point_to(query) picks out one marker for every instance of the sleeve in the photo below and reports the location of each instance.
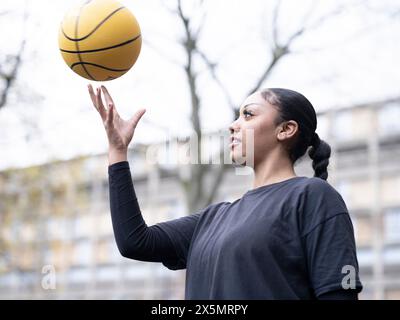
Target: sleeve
(179, 232)
(328, 240)
(339, 295)
(319, 202)
(331, 256)
(165, 242)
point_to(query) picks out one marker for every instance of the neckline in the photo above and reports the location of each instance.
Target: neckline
(271, 185)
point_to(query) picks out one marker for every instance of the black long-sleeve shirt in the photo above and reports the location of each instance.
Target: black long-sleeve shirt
(286, 240)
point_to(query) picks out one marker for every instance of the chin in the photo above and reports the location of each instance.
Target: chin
(238, 162)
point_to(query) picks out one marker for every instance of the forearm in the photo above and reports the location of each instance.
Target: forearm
(134, 238)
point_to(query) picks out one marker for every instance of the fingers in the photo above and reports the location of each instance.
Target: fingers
(99, 102)
(136, 117)
(107, 95)
(92, 96)
(109, 100)
(110, 116)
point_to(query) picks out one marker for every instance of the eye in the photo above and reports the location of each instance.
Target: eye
(247, 113)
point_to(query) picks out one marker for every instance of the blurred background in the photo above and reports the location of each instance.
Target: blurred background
(199, 61)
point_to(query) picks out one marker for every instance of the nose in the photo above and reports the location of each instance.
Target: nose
(234, 126)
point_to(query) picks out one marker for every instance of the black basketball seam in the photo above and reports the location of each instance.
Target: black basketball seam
(102, 49)
(97, 65)
(77, 44)
(94, 30)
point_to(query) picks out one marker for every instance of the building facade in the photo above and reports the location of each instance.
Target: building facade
(56, 239)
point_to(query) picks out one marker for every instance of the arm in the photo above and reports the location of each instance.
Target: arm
(166, 242)
(331, 252)
(328, 242)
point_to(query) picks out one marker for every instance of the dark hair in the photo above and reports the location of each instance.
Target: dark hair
(294, 106)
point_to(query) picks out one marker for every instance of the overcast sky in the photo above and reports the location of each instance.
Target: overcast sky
(351, 58)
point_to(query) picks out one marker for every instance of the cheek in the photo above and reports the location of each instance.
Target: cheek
(262, 135)
(256, 132)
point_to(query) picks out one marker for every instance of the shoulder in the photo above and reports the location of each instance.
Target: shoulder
(315, 188)
(210, 212)
(213, 208)
(318, 201)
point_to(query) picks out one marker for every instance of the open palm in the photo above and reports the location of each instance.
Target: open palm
(119, 131)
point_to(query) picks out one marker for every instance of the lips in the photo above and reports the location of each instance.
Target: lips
(234, 141)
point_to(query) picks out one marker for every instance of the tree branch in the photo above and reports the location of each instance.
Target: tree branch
(212, 69)
(9, 77)
(281, 50)
(163, 54)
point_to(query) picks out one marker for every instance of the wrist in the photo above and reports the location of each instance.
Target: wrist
(117, 155)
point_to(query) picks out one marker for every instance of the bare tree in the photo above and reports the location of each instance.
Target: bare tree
(10, 64)
(10, 81)
(198, 194)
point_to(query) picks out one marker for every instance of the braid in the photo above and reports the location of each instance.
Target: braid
(319, 152)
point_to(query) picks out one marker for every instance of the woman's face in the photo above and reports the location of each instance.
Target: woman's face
(254, 132)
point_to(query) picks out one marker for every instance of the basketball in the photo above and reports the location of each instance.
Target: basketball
(100, 40)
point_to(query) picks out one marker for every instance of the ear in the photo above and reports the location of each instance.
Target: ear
(287, 130)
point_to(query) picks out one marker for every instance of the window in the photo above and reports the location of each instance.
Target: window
(356, 193)
(58, 228)
(361, 126)
(27, 257)
(362, 193)
(27, 232)
(83, 226)
(365, 257)
(391, 256)
(344, 189)
(28, 279)
(103, 224)
(107, 251)
(78, 275)
(107, 273)
(82, 197)
(323, 126)
(138, 271)
(82, 252)
(389, 190)
(362, 230)
(173, 209)
(342, 125)
(9, 280)
(392, 225)
(47, 253)
(57, 199)
(388, 119)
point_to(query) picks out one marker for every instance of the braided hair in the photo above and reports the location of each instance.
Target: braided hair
(294, 106)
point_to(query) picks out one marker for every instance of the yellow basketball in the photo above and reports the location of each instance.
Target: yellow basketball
(100, 40)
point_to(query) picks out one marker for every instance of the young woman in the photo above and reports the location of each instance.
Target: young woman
(289, 237)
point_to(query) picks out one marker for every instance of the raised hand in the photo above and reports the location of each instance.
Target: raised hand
(119, 131)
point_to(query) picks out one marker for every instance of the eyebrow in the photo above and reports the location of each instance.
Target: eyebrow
(249, 104)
